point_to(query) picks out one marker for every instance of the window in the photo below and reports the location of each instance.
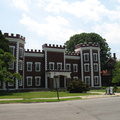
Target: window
(20, 82)
(11, 65)
(20, 65)
(95, 57)
(87, 80)
(96, 80)
(29, 66)
(75, 67)
(38, 81)
(12, 50)
(29, 81)
(95, 67)
(10, 84)
(21, 52)
(51, 65)
(68, 67)
(86, 67)
(86, 56)
(75, 78)
(59, 66)
(37, 66)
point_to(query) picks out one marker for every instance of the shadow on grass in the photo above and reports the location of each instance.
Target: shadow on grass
(5, 93)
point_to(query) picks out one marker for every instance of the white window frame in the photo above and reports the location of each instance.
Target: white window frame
(85, 67)
(95, 67)
(21, 82)
(86, 56)
(95, 56)
(13, 50)
(29, 78)
(20, 65)
(37, 78)
(39, 64)
(87, 78)
(68, 67)
(51, 63)
(11, 65)
(30, 66)
(75, 78)
(10, 84)
(75, 67)
(59, 66)
(96, 80)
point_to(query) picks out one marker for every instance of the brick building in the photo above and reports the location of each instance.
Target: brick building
(43, 69)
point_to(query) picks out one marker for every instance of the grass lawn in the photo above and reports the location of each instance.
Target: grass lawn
(46, 94)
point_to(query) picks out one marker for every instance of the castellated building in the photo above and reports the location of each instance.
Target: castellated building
(41, 70)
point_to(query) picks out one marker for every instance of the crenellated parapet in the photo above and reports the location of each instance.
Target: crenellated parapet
(53, 46)
(89, 44)
(72, 53)
(14, 36)
(33, 51)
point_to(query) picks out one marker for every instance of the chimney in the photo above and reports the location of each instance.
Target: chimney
(114, 56)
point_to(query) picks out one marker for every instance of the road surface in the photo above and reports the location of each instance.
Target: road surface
(91, 109)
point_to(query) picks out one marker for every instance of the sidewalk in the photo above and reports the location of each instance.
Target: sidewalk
(102, 95)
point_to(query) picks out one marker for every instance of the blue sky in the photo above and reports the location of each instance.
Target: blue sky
(55, 21)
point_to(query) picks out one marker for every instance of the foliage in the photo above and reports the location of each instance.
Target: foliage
(116, 73)
(4, 43)
(78, 86)
(115, 88)
(90, 37)
(5, 75)
(5, 59)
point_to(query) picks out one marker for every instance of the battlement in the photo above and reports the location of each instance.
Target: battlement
(53, 46)
(14, 36)
(71, 53)
(33, 51)
(89, 44)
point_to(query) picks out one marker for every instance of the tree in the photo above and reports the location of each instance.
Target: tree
(77, 86)
(90, 37)
(5, 60)
(4, 43)
(116, 73)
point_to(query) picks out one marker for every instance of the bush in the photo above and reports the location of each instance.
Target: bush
(78, 86)
(115, 88)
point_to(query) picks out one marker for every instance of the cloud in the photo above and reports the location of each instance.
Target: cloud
(87, 10)
(21, 4)
(110, 31)
(54, 28)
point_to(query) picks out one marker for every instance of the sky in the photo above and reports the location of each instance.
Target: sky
(55, 21)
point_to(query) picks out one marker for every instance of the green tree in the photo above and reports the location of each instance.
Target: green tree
(5, 60)
(116, 73)
(4, 43)
(90, 37)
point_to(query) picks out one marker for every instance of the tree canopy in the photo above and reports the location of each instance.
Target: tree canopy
(5, 59)
(90, 37)
(4, 43)
(116, 73)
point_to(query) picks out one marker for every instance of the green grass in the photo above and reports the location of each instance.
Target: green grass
(39, 100)
(30, 95)
(98, 90)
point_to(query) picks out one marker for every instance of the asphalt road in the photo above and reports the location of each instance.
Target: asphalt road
(91, 109)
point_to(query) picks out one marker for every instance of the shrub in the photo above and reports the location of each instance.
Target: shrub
(78, 86)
